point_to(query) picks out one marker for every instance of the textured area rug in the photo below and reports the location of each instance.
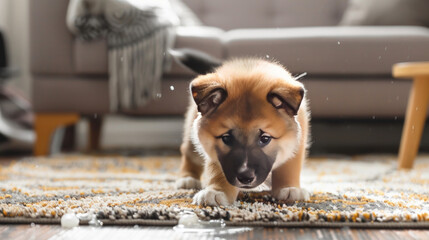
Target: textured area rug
(364, 191)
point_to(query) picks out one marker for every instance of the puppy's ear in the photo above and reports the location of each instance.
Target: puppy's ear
(197, 61)
(287, 97)
(207, 94)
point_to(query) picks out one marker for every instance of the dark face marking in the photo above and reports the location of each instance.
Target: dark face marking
(245, 165)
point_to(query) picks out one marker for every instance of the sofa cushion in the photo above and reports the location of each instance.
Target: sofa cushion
(333, 50)
(387, 12)
(50, 41)
(364, 97)
(89, 95)
(232, 14)
(206, 39)
(90, 57)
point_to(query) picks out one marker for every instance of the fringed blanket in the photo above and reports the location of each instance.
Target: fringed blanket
(139, 33)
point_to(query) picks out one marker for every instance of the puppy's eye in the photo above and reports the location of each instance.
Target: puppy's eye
(228, 139)
(264, 139)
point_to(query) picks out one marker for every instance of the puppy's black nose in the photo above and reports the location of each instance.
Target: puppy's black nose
(246, 177)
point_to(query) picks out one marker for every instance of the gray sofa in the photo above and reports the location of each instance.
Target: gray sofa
(348, 67)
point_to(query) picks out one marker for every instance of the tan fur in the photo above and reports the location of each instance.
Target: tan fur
(247, 83)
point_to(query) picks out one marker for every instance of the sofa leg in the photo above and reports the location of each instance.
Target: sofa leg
(45, 124)
(94, 137)
(69, 141)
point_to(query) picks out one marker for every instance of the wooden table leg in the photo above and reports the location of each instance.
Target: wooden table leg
(414, 122)
(45, 125)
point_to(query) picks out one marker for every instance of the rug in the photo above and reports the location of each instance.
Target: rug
(363, 191)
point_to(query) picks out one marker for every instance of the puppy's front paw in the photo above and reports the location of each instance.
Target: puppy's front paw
(210, 197)
(292, 194)
(188, 183)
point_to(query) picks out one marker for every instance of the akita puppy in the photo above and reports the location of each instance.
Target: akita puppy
(247, 123)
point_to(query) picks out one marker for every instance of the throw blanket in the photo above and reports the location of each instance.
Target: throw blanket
(139, 33)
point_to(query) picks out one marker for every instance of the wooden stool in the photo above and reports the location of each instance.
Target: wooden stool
(416, 109)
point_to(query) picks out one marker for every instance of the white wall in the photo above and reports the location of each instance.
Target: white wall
(4, 14)
(14, 17)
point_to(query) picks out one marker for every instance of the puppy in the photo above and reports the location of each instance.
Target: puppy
(248, 120)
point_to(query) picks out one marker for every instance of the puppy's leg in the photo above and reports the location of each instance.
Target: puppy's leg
(286, 180)
(218, 191)
(191, 168)
(192, 163)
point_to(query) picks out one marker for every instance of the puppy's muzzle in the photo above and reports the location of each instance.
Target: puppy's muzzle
(246, 176)
(245, 167)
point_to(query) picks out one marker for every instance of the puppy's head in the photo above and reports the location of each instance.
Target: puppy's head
(246, 121)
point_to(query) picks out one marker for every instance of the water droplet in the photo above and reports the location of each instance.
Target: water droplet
(391, 82)
(122, 59)
(373, 117)
(69, 220)
(95, 115)
(397, 98)
(267, 56)
(396, 118)
(189, 220)
(33, 225)
(172, 88)
(412, 127)
(379, 57)
(158, 95)
(339, 43)
(327, 98)
(385, 49)
(95, 222)
(417, 108)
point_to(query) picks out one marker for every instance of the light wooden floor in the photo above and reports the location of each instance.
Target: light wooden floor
(26, 232)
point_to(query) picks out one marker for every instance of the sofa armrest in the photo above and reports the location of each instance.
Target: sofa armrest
(51, 43)
(202, 38)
